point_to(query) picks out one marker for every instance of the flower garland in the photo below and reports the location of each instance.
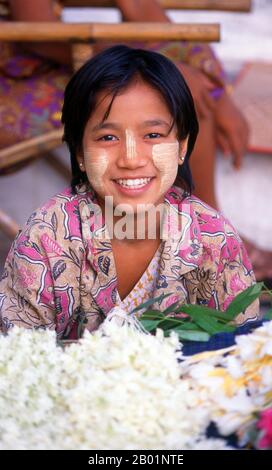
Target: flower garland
(120, 388)
(235, 384)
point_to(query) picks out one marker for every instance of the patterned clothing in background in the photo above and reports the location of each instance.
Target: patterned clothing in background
(60, 271)
(31, 87)
(200, 56)
(31, 91)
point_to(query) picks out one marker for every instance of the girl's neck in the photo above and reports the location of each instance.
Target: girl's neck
(137, 230)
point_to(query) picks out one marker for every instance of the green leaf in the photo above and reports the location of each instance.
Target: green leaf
(208, 323)
(244, 299)
(149, 325)
(226, 328)
(190, 326)
(150, 302)
(170, 322)
(189, 335)
(152, 314)
(268, 315)
(203, 310)
(171, 308)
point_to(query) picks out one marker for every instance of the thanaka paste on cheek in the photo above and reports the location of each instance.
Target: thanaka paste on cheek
(96, 164)
(130, 144)
(165, 158)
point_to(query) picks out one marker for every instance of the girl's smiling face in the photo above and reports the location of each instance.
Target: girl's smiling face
(133, 155)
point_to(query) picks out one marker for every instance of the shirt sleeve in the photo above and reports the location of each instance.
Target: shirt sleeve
(26, 287)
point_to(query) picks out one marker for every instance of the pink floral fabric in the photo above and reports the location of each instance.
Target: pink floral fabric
(60, 271)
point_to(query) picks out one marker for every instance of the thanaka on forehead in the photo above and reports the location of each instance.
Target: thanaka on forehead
(147, 123)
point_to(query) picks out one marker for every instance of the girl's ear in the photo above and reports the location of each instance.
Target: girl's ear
(183, 146)
(80, 161)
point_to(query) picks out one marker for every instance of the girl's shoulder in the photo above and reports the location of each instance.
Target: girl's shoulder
(219, 239)
(211, 220)
(66, 200)
(206, 227)
(212, 244)
(57, 222)
(206, 217)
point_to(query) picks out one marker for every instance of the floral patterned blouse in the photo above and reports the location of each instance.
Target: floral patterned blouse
(60, 272)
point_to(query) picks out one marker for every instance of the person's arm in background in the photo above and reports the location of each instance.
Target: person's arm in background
(142, 10)
(41, 10)
(200, 85)
(231, 128)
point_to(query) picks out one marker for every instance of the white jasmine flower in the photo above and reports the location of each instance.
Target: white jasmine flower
(121, 388)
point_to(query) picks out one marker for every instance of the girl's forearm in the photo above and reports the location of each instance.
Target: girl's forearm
(142, 10)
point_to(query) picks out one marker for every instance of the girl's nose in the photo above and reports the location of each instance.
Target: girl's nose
(132, 155)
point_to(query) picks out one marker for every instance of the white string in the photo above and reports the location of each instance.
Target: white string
(120, 317)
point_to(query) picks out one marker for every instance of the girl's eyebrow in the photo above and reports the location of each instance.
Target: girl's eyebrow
(105, 125)
(113, 125)
(155, 122)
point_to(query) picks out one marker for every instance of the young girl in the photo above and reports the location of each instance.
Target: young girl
(130, 126)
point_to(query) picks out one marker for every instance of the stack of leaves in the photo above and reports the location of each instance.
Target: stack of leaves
(197, 322)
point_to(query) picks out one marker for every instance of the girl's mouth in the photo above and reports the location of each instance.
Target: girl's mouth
(133, 186)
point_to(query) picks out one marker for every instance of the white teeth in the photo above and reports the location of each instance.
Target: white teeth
(136, 183)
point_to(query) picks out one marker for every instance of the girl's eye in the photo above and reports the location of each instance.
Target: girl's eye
(108, 138)
(153, 135)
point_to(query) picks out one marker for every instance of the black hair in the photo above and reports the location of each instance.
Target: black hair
(113, 70)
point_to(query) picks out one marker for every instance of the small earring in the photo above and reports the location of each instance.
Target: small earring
(181, 159)
(81, 164)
